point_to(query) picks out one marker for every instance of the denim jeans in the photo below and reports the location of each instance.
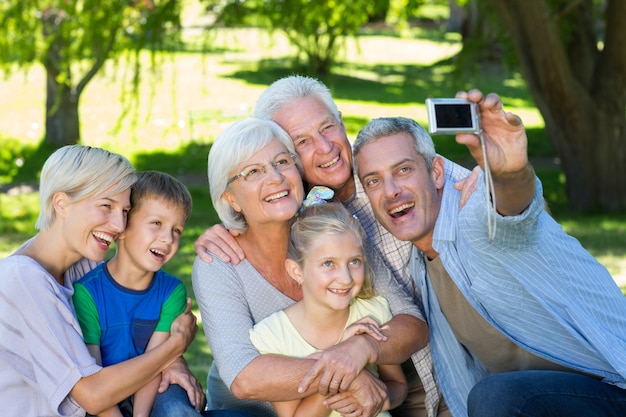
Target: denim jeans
(545, 393)
(175, 403)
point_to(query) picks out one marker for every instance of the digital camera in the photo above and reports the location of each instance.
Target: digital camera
(449, 116)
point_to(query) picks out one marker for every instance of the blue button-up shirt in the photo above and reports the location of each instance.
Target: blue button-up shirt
(532, 282)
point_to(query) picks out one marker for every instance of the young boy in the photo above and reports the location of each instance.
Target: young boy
(125, 306)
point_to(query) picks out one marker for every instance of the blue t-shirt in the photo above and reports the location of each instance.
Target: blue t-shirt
(121, 320)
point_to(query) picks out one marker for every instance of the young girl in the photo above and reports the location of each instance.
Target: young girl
(327, 258)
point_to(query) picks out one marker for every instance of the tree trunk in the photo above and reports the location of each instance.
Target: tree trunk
(592, 153)
(62, 123)
(457, 17)
(580, 92)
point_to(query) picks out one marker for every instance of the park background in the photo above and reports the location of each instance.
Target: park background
(199, 89)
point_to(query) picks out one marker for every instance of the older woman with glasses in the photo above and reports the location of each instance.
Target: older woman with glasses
(256, 189)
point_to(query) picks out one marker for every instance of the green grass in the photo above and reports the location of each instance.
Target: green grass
(382, 76)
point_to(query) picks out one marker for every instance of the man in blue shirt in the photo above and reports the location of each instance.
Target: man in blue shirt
(523, 319)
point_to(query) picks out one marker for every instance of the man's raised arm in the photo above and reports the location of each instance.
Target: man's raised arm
(507, 153)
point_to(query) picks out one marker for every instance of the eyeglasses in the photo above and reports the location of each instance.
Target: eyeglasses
(255, 172)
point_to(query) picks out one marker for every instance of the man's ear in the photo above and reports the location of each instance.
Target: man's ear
(437, 172)
(294, 271)
(60, 201)
(230, 199)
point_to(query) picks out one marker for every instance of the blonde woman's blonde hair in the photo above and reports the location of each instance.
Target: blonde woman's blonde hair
(319, 221)
(81, 172)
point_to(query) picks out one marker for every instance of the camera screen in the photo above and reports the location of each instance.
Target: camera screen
(453, 116)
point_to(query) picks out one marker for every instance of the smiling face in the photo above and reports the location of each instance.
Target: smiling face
(275, 197)
(92, 224)
(404, 195)
(332, 272)
(152, 235)
(321, 142)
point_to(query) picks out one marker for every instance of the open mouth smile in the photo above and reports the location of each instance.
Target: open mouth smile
(330, 163)
(103, 238)
(157, 253)
(339, 292)
(276, 196)
(400, 210)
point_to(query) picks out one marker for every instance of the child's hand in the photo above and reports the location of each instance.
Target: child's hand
(345, 404)
(366, 325)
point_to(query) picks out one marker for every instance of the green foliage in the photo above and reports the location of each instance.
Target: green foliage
(73, 40)
(87, 31)
(21, 163)
(401, 11)
(316, 28)
(188, 159)
(11, 159)
(18, 213)
(486, 42)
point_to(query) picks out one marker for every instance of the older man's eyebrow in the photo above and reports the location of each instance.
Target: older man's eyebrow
(326, 120)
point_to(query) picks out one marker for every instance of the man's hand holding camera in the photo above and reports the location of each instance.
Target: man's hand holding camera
(506, 147)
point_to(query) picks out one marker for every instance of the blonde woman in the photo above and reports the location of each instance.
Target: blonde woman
(45, 367)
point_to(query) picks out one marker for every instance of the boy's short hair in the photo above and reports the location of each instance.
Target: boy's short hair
(155, 184)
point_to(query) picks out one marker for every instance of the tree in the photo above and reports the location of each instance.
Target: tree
(573, 57)
(73, 39)
(315, 28)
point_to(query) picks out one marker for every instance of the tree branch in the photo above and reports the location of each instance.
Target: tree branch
(565, 10)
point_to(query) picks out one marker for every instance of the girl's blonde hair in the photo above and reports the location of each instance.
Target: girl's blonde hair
(319, 221)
